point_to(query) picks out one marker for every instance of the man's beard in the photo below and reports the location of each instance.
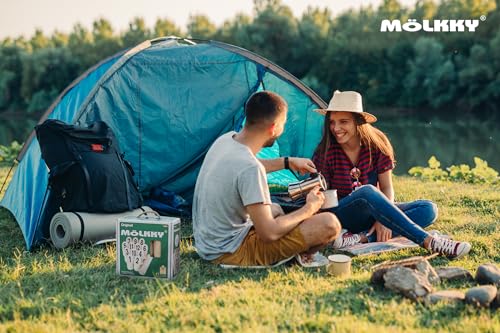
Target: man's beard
(270, 142)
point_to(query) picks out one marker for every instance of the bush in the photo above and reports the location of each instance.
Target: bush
(480, 174)
(9, 153)
(433, 172)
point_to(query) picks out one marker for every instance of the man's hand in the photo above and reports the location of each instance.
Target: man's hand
(315, 199)
(302, 165)
(383, 233)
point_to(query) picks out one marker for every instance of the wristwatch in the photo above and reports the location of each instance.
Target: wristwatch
(287, 164)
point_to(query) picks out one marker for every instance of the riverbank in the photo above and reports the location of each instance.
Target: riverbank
(77, 290)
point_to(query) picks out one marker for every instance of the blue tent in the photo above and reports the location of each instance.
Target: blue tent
(167, 100)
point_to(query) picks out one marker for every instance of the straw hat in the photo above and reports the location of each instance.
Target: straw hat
(347, 101)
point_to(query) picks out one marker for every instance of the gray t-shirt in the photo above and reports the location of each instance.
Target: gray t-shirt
(231, 177)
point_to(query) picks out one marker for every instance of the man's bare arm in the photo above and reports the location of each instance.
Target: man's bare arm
(299, 164)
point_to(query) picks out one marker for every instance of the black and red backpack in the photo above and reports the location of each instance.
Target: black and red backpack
(87, 170)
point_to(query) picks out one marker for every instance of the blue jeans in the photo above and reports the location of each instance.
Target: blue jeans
(359, 210)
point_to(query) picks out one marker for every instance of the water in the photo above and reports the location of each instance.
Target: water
(453, 140)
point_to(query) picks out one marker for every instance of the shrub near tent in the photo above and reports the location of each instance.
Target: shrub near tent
(166, 100)
(8, 153)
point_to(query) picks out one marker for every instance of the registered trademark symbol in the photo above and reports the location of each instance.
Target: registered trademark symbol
(483, 18)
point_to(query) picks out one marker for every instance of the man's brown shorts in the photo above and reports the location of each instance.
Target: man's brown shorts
(254, 252)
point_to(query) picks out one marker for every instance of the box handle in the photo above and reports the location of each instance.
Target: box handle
(150, 211)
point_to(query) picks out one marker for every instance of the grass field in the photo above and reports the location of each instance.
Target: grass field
(76, 289)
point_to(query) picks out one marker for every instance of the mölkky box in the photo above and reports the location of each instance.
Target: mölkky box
(148, 246)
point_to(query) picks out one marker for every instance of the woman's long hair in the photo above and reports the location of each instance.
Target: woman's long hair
(370, 136)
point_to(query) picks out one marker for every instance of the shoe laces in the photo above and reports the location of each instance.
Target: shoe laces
(443, 245)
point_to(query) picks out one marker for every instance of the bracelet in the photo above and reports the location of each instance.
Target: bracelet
(287, 164)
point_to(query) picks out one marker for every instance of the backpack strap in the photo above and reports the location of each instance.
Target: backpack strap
(127, 187)
(87, 182)
(83, 167)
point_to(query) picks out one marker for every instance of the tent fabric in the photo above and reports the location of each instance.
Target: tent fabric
(26, 192)
(167, 101)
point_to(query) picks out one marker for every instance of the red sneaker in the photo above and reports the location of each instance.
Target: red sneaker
(346, 239)
(448, 247)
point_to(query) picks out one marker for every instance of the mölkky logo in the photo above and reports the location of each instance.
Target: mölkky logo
(430, 25)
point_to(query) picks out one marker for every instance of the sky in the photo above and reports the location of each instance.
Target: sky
(22, 17)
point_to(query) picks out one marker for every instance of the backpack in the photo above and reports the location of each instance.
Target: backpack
(87, 170)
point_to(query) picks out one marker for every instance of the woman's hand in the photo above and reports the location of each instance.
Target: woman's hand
(383, 233)
(302, 165)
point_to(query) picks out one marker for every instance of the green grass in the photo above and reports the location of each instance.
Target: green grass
(76, 289)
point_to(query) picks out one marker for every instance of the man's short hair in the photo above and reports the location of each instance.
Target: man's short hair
(263, 108)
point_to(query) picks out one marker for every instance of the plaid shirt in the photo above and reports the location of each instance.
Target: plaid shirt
(337, 167)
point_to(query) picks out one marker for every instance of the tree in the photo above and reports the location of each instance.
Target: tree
(396, 67)
(105, 42)
(354, 58)
(493, 86)
(346, 52)
(312, 37)
(390, 10)
(11, 68)
(235, 31)
(39, 40)
(465, 9)
(80, 46)
(59, 39)
(274, 33)
(442, 88)
(165, 27)
(45, 73)
(430, 72)
(475, 76)
(487, 29)
(7, 42)
(335, 70)
(102, 30)
(137, 33)
(424, 10)
(200, 26)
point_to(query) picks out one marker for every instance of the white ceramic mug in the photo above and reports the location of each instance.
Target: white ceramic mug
(340, 265)
(331, 199)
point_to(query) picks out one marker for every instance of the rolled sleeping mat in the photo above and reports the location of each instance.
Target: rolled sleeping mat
(67, 228)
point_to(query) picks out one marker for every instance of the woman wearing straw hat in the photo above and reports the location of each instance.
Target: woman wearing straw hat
(357, 159)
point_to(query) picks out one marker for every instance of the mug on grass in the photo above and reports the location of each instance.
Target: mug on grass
(339, 266)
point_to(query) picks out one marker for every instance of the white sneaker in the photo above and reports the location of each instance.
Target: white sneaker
(346, 239)
(311, 260)
(448, 247)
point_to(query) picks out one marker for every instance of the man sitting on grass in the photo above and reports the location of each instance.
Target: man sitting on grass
(234, 221)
